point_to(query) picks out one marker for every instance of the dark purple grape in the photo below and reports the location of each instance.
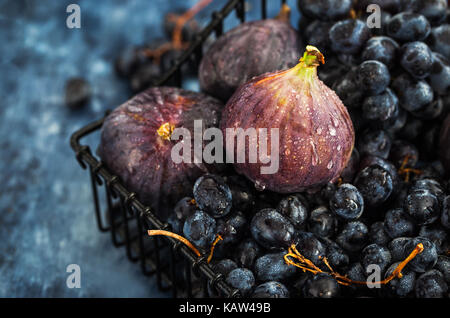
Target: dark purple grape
(373, 77)
(292, 208)
(322, 222)
(400, 287)
(272, 267)
(310, 246)
(400, 150)
(434, 10)
(443, 265)
(375, 143)
(347, 202)
(224, 266)
(325, 9)
(336, 256)
(183, 209)
(445, 217)
(423, 261)
(398, 223)
(321, 286)
(348, 36)
(353, 236)
(316, 33)
(408, 27)
(271, 229)
(381, 48)
(381, 107)
(413, 95)
(439, 78)
(417, 59)
(351, 169)
(270, 289)
(375, 184)
(397, 248)
(423, 206)
(242, 279)
(200, 229)
(431, 285)
(378, 235)
(212, 195)
(233, 228)
(247, 252)
(77, 92)
(348, 90)
(439, 40)
(145, 76)
(437, 234)
(375, 254)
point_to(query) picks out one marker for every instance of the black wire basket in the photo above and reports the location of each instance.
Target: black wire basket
(119, 212)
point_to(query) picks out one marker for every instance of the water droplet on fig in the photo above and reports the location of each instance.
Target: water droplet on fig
(319, 130)
(332, 130)
(335, 121)
(315, 155)
(330, 165)
(339, 147)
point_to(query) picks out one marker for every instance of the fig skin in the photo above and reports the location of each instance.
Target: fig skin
(444, 144)
(134, 151)
(316, 135)
(249, 50)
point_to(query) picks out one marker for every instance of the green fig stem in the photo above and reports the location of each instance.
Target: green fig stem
(309, 62)
(312, 57)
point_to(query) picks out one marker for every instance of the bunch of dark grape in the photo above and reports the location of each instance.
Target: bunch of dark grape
(142, 66)
(392, 197)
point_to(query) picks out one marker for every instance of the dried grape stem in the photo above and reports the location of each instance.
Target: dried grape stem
(306, 265)
(218, 238)
(186, 242)
(184, 18)
(177, 41)
(406, 171)
(175, 236)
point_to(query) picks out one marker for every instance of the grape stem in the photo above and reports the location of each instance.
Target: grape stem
(177, 40)
(306, 265)
(406, 171)
(186, 241)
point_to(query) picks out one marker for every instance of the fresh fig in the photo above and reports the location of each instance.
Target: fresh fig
(316, 135)
(136, 145)
(249, 50)
(444, 144)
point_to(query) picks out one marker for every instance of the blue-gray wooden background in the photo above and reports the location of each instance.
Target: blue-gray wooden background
(46, 209)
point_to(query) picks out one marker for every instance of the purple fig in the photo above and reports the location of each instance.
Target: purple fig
(136, 145)
(316, 135)
(250, 49)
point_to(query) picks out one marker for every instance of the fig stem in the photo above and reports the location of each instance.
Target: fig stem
(306, 265)
(312, 57)
(284, 14)
(165, 130)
